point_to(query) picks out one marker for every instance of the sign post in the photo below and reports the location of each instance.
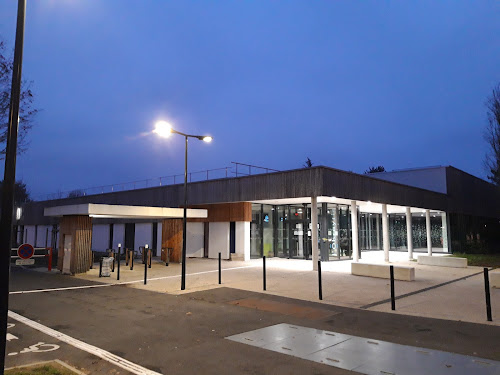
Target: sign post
(25, 252)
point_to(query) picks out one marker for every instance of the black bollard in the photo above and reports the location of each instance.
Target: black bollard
(119, 259)
(487, 294)
(100, 268)
(220, 270)
(145, 272)
(320, 285)
(264, 272)
(393, 300)
(131, 256)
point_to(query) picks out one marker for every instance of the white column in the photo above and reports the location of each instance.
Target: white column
(314, 232)
(428, 227)
(354, 225)
(444, 232)
(385, 232)
(242, 229)
(409, 233)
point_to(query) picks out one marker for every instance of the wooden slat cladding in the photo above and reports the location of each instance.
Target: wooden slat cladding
(171, 236)
(80, 230)
(226, 212)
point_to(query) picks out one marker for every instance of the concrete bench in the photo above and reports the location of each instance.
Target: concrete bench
(382, 271)
(494, 278)
(429, 260)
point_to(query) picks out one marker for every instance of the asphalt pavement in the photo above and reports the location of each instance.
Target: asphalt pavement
(184, 334)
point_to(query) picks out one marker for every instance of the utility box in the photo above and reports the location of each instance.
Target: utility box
(107, 263)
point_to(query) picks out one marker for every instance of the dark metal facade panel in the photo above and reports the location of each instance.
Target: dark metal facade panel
(316, 181)
(470, 195)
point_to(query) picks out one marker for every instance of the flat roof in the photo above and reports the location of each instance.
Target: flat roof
(125, 212)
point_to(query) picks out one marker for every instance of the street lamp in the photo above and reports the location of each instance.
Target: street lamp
(164, 129)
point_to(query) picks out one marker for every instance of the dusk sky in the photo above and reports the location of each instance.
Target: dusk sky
(349, 84)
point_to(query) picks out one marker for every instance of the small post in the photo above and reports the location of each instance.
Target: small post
(119, 261)
(220, 270)
(320, 285)
(393, 300)
(487, 294)
(100, 268)
(145, 264)
(50, 259)
(131, 256)
(264, 272)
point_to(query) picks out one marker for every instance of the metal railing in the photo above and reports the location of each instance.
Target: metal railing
(235, 170)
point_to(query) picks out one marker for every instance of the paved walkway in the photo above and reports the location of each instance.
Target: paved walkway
(461, 298)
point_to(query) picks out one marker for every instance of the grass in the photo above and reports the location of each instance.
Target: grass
(481, 260)
(40, 370)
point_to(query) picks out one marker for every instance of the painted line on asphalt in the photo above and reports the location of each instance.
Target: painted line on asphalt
(123, 282)
(94, 350)
(419, 291)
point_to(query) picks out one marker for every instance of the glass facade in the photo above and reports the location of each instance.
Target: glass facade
(285, 231)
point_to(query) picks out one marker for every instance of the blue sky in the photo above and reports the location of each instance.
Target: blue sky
(349, 84)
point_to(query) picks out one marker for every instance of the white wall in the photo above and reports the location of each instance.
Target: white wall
(42, 235)
(119, 236)
(100, 237)
(218, 240)
(143, 235)
(195, 236)
(29, 237)
(242, 239)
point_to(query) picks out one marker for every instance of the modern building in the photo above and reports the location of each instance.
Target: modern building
(311, 213)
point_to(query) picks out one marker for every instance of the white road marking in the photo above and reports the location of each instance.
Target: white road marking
(11, 337)
(94, 350)
(123, 282)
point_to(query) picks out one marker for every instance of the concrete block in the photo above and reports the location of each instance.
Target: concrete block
(382, 271)
(430, 260)
(494, 278)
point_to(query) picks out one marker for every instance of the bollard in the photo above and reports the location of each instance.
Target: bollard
(487, 294)
(393, 301)
(220, 270)
(264, 272)
(131, 256)
(145, 272)
(100, 268)
(119, 259)
(320, 285)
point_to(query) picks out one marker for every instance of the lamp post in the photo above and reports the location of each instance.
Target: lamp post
(9, 179)
(164, 129)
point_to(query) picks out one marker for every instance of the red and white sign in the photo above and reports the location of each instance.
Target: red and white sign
(25, 251)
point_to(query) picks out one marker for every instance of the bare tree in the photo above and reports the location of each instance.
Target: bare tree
(492, 136)
(380, 168)
(308, 163)
(26, 109)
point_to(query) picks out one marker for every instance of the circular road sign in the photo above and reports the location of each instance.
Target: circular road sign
(25, 251)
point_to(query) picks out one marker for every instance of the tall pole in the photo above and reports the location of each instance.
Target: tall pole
(183, 276)
(9, 180)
